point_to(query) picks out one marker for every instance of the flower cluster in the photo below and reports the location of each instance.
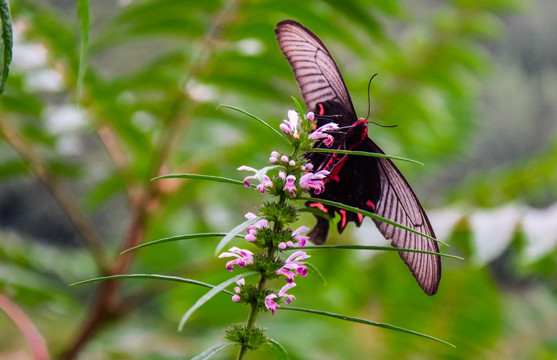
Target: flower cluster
(293, 176)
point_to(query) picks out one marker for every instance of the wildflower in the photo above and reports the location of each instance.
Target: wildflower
(301, 240)
(270, 303)
(252, 229)
(290, 186)
(284, 158)
(322, 133)
(282, 293)
(314, 181)
(310, 116)
(290, 126)
(274, 157)
(243, 257)
(238, 290)
(307, 167)
(259, 175)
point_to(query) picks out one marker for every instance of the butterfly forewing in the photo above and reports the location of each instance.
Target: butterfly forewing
(372, 184)
(314, 68)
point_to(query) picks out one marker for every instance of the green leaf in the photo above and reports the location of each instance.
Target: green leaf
(176, 238)
(6, 39)
(298, 106)
(364, 153)
(220, 287)
(207, 354)
(366, 322)
(369, 214)
(234, 232)
(372, 247)
(200, 177)
(278, 349)
(312, 269)
(150, 276)
(84, 21)
(256, 118)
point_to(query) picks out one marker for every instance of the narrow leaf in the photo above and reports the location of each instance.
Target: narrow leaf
(150, 276)
(200, 177)
(207, 354)
(234, 233)
(177, 238)
(312, 269)
(369, 214)
(215, 290)
(278, 349)
(372, 247)
(256, 118)
(84, 21)
(317, 212)
(364, 153)
(298, 106)
(366, 322)
(6, 43)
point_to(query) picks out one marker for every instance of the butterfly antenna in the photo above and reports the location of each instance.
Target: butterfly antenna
(369, 96)
(369, 105)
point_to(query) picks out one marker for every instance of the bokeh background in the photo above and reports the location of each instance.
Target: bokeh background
(471, 86)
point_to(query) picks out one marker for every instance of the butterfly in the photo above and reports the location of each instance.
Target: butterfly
(369, 183)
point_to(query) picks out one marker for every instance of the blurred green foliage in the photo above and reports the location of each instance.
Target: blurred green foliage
(156, 71)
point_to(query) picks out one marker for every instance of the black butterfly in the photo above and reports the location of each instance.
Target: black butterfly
(369, 183)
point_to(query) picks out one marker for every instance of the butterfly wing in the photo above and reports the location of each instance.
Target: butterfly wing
(315, 70)
(398, 202)
(372, 184)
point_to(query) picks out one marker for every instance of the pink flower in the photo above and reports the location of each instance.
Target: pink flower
(238, 290)
(259, 175)
(290, 186)
(301, 240)
(290, 126)
(270, 303)
(274, 157)
(243, 257)
(252, 229)
(310, 116)
(295, 264)
(322, 133)
(314, 181)
(285, 288)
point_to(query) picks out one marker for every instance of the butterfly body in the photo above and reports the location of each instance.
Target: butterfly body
(369, 183)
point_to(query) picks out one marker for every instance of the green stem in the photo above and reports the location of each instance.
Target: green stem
(250, 323)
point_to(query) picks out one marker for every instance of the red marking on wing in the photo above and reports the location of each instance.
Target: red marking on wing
(319, 206)
(321, 109)
(360, 217)
(370, 204)
(343, 220)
